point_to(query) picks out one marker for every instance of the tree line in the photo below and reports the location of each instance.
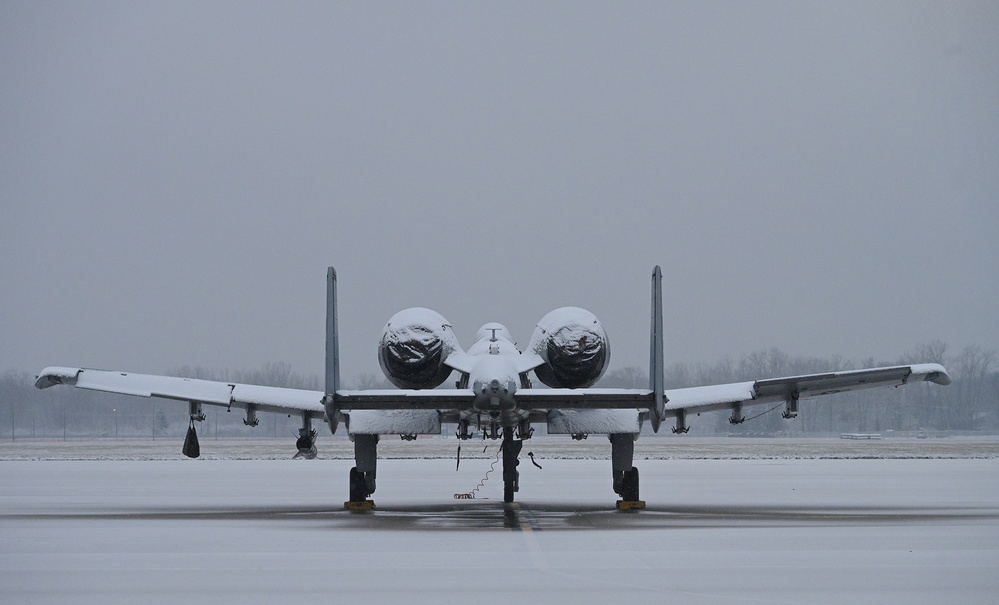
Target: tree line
(971, 403)
(60, 412)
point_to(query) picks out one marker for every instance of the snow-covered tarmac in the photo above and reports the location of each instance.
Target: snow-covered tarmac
(775, 530)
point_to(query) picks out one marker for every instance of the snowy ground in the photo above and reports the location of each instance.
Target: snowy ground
(596, 447)
(768, 530)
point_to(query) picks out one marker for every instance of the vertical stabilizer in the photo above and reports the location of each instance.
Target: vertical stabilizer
(657, 407)
(332, 352)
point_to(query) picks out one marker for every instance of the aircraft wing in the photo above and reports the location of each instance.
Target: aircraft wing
(224, 394)
(772, 390)
(271, 399)
(373, 410)
(728, 396)
(387, 411)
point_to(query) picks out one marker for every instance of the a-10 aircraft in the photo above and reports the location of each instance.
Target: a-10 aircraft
(418, 351)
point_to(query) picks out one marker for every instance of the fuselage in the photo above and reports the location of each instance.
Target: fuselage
(494, 377)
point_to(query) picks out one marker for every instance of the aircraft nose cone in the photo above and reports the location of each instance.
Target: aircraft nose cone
(494, 385)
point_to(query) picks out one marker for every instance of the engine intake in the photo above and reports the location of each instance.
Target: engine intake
(413, 347)
(574, 346)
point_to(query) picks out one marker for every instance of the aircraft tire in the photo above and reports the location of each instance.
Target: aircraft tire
(629, 485)
(358, 488)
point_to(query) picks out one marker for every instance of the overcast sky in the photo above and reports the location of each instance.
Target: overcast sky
(175, 177)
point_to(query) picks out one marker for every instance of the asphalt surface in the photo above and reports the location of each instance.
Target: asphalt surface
(715, 531)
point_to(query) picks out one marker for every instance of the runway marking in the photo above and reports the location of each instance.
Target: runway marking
(513, 520)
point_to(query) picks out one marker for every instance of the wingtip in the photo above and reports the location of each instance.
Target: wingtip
(933, 372)
(941, 378)
(51, 376)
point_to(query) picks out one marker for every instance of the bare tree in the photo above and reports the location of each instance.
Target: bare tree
(630, 377)
(367, 380)
(973, 368)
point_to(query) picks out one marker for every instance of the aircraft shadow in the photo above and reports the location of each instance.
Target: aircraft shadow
(546, 516)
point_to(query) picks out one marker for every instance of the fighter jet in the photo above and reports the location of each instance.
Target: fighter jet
(494, 394)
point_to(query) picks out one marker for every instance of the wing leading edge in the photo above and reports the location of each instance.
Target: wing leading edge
(731, 396)
(224, 394)
(771, 390)
(728, 396)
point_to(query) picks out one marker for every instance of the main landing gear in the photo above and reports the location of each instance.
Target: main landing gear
(362, 476)
(625, 474)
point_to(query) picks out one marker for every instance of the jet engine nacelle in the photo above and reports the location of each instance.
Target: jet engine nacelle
(574, 346)
(413, 347)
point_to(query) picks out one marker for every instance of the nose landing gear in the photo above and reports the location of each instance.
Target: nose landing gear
(511, 453)
(513, 443)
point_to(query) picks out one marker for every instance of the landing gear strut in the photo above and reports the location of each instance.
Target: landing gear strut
(511, 451)
(362, 476)
(625, 475)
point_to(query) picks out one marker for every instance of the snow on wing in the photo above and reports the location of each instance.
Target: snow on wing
(184, 389)
(693, 399)
(724, 396)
